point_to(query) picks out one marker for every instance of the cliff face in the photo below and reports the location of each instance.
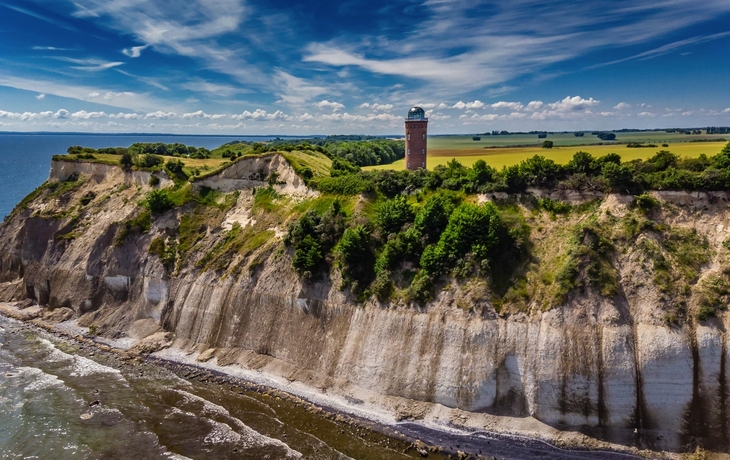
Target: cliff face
(605, 363)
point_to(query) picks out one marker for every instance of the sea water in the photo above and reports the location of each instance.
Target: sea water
(60, 401)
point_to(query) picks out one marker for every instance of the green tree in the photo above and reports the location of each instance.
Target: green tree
(547, 144)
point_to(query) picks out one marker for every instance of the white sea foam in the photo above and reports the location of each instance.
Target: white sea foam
(222, 432)
(84, 367)
(81, 366)
(38, 380)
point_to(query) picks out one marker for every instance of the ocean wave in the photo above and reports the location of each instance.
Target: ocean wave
(224, 433)
(80, 366)
(33, 379)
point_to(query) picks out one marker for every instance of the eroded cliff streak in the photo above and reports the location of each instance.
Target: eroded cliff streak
(637, 358)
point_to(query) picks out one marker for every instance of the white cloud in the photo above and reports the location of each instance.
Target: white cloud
(477, 104)
(127, 116)
(380, 107)
(61, 113)
(261, 115)
(437, 116)
(726, 110)
(135, 51)
(507, 105)
(477, 117)
(83, 114)
(646, 114)
(325, 104)
(622, 106)
(202, 115)
(160, 115)
(40, 97)
(571, 104)
(26, 116)
(607, 114)
(534, 105)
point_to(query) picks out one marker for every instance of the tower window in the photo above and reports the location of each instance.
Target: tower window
(409, 136)
(424, 137)
(423, 151)
(409, 151)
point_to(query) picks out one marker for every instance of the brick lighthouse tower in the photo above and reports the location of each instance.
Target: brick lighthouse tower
(416, 133)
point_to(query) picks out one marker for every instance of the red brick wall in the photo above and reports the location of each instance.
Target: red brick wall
(416, 138)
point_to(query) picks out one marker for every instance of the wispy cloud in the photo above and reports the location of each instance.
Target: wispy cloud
(121, 99)
(665, 49)
(456, 48)
(90, 64)
(42, 17)
(41, 96)
(135, 51)
(53, 48)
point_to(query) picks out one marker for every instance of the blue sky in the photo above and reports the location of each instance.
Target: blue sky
(352, 66)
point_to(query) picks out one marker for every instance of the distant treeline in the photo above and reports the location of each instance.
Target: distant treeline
(141, 148)
(372, 151)
(663, 171)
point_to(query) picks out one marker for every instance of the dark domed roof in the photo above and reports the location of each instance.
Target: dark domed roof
(417, 113)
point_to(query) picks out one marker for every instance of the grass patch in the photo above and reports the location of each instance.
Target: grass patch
(236, 242)
(316, 162)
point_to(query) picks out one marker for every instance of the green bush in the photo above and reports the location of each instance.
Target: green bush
(153, 181)
(158, 201)
(149, 161)
(471, 229)
(353, 184)
(394, 214)
(313, 237)
(646, 202)
(307, 255)
(356, 258)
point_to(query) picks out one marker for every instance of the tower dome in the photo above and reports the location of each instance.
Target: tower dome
(416, 113)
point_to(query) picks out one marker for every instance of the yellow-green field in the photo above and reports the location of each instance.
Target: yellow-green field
(508, 156)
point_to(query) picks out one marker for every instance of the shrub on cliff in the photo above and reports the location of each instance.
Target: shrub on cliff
(158, 201)
(472, 229)
(393, 215)
(149, 161)
(314, 236)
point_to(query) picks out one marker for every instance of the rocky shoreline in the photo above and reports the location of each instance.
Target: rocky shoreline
(446, 441)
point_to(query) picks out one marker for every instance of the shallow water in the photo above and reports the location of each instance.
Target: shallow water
(59, 401)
